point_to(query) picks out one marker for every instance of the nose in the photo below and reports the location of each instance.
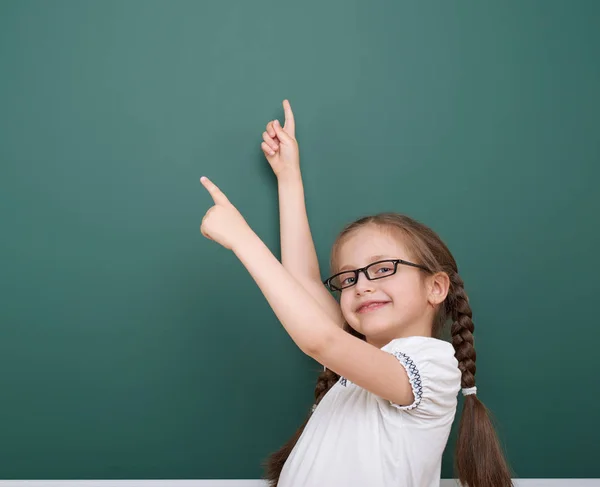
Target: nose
(363, 285)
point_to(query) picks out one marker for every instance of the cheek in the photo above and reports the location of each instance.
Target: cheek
(346, 305)
(408, 291)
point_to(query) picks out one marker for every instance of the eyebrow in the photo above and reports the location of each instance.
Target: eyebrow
(373, 258)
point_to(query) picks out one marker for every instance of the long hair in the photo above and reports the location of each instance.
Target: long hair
(479, 460)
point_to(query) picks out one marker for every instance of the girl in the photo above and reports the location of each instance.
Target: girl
(387, 398)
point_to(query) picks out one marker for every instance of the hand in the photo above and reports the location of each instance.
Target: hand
(279, 144)
(223, 223)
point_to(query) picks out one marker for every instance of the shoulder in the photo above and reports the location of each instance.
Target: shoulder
(431, 366)
(423, 349)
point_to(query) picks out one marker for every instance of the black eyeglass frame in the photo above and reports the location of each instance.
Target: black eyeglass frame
(356, 272)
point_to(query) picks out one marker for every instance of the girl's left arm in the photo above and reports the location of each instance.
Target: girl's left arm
(315, 333)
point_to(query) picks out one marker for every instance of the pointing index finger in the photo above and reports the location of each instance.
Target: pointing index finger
(217, 195)
(290, 124)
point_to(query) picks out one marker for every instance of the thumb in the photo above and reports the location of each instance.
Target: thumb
(282, 135)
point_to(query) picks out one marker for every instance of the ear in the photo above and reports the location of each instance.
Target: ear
(438, 287)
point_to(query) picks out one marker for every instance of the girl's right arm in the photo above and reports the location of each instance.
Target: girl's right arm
(298, 254)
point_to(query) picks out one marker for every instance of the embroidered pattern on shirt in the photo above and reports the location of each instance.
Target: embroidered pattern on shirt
(414, 378)
(343, 381)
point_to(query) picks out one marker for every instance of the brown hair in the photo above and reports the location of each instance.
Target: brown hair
(479, 460)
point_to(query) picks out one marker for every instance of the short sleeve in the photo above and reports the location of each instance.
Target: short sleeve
(432, 371)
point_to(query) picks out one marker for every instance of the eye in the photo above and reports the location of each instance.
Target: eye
(348, 280)
(381, 269)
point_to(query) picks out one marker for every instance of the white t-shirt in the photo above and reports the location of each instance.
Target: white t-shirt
(357, 439)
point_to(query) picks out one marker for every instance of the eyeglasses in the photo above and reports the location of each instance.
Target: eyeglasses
(374, 271)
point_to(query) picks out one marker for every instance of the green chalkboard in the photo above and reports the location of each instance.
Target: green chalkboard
(132, 347)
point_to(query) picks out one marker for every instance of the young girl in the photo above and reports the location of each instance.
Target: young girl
(387, 398)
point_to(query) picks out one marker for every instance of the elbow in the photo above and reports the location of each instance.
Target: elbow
(316, 346)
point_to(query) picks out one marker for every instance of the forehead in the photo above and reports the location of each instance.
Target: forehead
(368, 244)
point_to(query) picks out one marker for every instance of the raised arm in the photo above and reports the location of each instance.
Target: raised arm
(298, 254)
(303, 318)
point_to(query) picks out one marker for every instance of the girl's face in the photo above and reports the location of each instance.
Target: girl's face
(387, 308)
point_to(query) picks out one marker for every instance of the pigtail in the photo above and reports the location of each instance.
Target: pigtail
(326, 380)
(479, 459)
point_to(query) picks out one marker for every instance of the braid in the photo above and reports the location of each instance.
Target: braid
(462, 331)
(325, 381)
(479, 459)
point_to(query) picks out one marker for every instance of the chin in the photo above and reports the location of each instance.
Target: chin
(375, 329)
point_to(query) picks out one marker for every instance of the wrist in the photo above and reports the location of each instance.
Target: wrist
(246, 240)
(289, 176)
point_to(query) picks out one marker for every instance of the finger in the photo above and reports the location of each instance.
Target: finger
(202, 231)
(267, 150)
(217, 195)
(204, 234)
(290, 123)
(281, 134)
(270, 129)
(270, 142)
